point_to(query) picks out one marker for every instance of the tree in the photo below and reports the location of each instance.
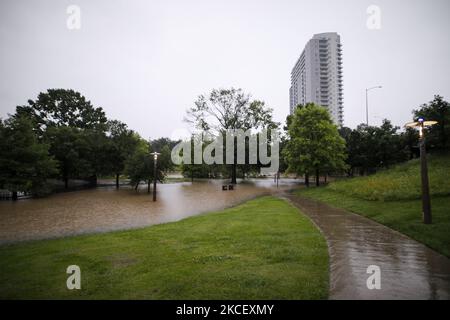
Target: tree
(68, 146)
(229, 109)
(61, 107)
(74, 129)
(371, 147)
(314, 143)
(140, 166)
(122, 144)
(438, 136)
(201, 170)
(410, 141)
(25, 163)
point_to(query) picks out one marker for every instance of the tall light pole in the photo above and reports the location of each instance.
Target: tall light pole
(426, 203)
(155, 160)
(367, 102)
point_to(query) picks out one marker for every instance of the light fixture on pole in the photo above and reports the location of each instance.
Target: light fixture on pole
(155, 160)
(426, 203)
(367, 102)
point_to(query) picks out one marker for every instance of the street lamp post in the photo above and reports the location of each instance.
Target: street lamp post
(426, 203)
(155, 160)
(367, 102)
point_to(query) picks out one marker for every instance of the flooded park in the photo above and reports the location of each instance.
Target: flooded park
(107, 209)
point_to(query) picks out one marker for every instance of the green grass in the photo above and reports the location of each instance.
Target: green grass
(262, 249)
(404, 216)
(401, 182)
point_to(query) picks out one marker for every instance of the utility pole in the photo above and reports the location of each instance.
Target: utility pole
(367, 102)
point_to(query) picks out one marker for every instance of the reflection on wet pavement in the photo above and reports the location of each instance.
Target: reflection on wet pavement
(106, 209)
(409, 270)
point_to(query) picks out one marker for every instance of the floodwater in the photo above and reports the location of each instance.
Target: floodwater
(408, 269)
(106, 209)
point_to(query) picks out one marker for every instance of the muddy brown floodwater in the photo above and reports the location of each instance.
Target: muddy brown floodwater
(107, 209)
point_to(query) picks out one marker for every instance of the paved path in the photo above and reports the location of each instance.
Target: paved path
(409, 270)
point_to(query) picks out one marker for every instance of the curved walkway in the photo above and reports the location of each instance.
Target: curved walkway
(408, 269)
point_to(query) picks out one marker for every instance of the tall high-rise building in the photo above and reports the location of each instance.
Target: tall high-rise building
(317, 76)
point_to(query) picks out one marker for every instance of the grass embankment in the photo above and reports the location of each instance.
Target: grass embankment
(262, 249)
(392, 198)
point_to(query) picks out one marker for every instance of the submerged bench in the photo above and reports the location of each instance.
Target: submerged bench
(227, 187)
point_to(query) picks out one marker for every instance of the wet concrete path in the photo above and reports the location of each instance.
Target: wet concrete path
(409, 270)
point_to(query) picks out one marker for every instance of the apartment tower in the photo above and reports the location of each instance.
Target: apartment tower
(317, 76)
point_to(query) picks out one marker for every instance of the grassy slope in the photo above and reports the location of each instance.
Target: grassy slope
(397, 201)
(401, 182)
(263, 249)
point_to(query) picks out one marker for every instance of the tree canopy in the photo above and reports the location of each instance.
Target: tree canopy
(25, 164)
(438, 136)
(229, 109)
(314, 143)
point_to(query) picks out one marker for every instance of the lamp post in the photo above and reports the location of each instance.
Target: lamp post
(155, 160)
(367, 102)
(426, 203)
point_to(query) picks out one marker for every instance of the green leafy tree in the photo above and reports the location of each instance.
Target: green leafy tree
(69, 147)
(410, 141)
(201, 170)
(229, 109)
(62, 107)
(372, 147)
(314, 144)
(74, 129)
(438, 136)
(25, 163)
(140, 166)
(122, 144)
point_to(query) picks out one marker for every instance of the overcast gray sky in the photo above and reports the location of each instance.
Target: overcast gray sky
(145, 62)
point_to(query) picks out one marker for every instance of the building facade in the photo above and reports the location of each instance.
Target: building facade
(317, 76)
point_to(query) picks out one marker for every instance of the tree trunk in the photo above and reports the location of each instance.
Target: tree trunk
(307, 180)
(14, 196)
(148, 185)
(117, 181)
(326, 177)
(317, 178)
(94, 180)
(136, 187)
(233, 173)
(66, 183)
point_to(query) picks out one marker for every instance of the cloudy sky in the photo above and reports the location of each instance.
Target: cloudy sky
(145, 62)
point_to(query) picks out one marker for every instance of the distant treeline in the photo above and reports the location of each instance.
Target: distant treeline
(314, 146)
(61, 135)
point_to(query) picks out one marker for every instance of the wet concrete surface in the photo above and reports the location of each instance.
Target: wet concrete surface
(408, 269)
(107, 209)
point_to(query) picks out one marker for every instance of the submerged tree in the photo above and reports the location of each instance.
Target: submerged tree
(74, 129)
(25, 163)
(229, 109)
(121, 145)
(140, 165)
